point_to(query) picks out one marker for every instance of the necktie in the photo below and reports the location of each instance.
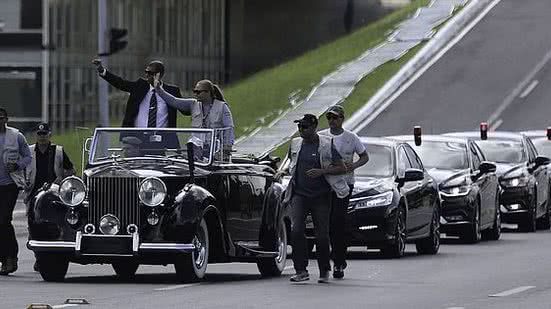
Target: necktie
(152, 118)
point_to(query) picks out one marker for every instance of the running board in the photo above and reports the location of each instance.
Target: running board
(247, 249)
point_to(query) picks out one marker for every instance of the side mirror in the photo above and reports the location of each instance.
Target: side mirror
(413, 174)
(487, 167)
(541, 160)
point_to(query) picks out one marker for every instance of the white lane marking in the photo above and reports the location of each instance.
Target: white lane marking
(522, 85)
(64, 306)
(529, 89)
(423, 69)
(19, 212)
(512, 291)
(456, 308)
(176, 287)
(496, 125)
(288, 268)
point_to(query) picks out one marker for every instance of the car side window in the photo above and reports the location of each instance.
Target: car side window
(414, 158)
(532, 153)
(403, 161)
(475, 157)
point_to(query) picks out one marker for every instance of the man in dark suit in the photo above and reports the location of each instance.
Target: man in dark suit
(144, 108)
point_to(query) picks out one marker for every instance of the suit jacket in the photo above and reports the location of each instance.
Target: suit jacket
(138, 90)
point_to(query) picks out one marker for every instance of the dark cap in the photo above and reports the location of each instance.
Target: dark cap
(336, 110)
(43, 127)
(307, 120)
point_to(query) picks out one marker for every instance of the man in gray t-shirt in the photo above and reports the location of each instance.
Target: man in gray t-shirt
(347, 144)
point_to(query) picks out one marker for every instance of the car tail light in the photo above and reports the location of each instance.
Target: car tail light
(549, 133)
(484, 131)
(417, 135)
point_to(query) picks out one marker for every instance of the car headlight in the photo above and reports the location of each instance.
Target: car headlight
(72, 191)
(382, 199)
(152, 191)
(456, 190)
(515, 182)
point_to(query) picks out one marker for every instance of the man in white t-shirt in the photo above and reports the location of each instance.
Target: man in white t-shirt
(347, 143)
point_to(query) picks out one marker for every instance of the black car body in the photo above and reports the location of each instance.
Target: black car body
(522, 177)
(468, 185)
(176, 202)
(394, 201)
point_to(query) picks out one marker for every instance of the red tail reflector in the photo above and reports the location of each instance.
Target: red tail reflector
(483, 130)
(417, 135)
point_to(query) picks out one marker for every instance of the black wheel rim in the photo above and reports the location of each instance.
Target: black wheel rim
(436, 232)
(401, 233)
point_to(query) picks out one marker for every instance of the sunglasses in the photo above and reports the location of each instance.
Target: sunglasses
(42, 133)
(302, 126)
(332, 117)
(3, 117)
(148, 72)
(199, 91)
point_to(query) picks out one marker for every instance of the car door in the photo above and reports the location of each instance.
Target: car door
(540, 173)
(484, 184)
(412, 193)
(244, 212)
(427, 193)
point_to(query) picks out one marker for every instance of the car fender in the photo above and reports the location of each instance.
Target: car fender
(273, 212)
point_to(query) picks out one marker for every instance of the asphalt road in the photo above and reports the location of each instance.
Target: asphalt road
(499, 71)
(482, 73)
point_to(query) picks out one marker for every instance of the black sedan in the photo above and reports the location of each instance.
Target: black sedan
(144, 199)
(522, 176)
(394, 201)
(468, 185)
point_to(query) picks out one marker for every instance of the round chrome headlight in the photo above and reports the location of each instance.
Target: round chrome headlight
(152, 191)
(72, 191)
(109, 225)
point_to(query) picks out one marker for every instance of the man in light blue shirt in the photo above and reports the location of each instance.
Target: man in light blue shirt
(14, 158)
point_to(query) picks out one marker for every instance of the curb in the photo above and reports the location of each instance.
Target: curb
(443, 37)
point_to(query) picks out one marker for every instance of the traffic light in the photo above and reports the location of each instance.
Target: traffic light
(116, 42)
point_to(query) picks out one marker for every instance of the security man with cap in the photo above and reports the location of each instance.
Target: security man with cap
(314, 167)
(14, 157)
(50, 164)
(347, 144)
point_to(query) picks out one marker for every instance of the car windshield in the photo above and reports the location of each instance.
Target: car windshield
(380, 162)
(502, 151)
(117, 143)
(543, 146)
(442, 155)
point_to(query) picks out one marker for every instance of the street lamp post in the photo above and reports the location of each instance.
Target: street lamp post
(103, 101)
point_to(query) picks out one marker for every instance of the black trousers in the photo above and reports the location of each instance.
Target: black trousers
(320, 209)
(8, 242)
(337, 231)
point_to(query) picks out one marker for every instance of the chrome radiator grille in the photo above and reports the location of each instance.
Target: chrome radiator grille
(117, 196)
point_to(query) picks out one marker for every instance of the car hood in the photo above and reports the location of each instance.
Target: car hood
(366, 186)
(505, 168)
(441, 176)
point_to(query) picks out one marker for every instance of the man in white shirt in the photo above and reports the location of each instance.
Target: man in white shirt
(347, 143)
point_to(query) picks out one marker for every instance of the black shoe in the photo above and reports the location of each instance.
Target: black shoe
(324, 277)
(338, 272)
(36, 266)
(8, 267)
(300, 277)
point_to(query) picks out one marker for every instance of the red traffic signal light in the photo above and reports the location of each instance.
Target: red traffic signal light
(116, 42)
(483, 130)
(417, 135)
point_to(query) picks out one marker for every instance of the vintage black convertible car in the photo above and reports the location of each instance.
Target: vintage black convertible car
(522, 175)
(161, 196)
(394, 201)
(468, 185)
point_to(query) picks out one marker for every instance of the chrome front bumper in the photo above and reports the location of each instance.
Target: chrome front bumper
(137, 247)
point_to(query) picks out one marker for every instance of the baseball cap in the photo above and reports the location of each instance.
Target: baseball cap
(307, 120)
(336, 110)
(43, 127)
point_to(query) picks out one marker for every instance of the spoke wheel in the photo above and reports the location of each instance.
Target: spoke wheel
(431, 244)
(270, 267)
(53, 267)
(397, 248)
(192, 266)
(125, 270)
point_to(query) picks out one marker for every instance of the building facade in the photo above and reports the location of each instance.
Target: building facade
(46, 69)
